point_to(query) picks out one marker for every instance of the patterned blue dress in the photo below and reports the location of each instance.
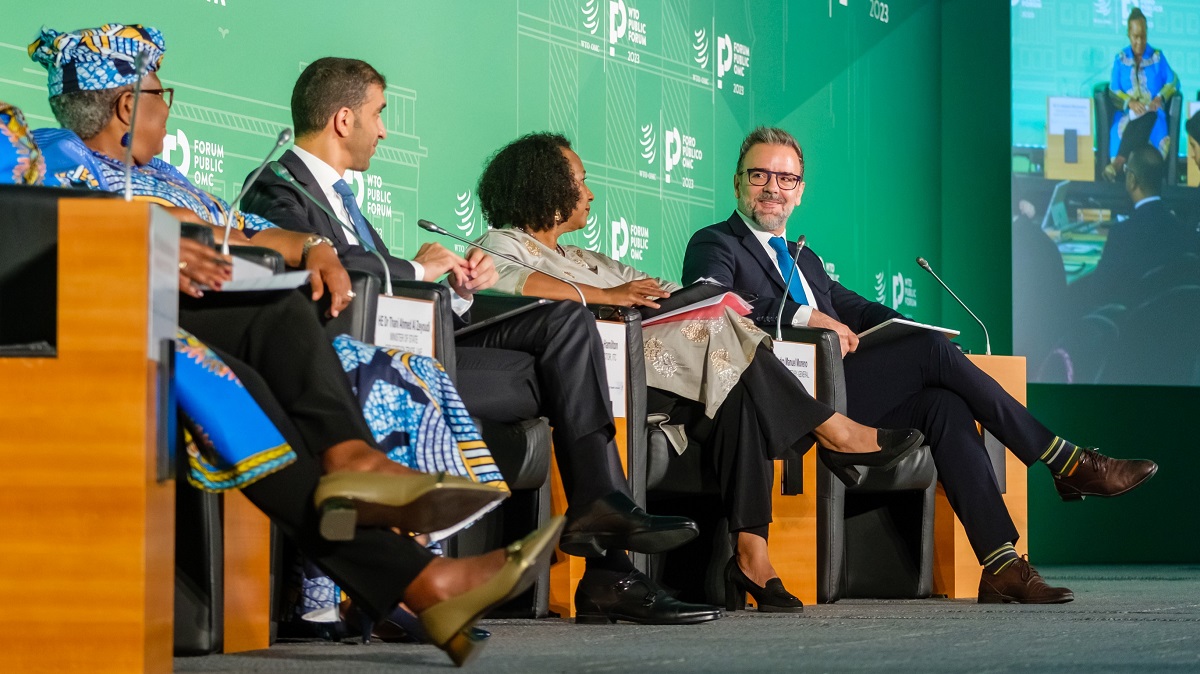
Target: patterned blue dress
(1141, 81)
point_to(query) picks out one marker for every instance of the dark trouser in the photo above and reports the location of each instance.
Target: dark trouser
(767, 415)
(571, 390)
(274, 344)
(1136, 134)
(925, 382)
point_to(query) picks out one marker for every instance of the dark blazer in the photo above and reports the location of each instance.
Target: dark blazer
(729, 253)
(280, 202)
(1150, 238)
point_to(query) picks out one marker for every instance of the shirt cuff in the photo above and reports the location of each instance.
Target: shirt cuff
(418, 270)
(800, 320)
(460, 305)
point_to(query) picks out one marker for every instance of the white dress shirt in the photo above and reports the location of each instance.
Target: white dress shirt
(803, 313)
(326, 176)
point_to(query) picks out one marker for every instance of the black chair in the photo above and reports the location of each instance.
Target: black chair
(1106, 110)
(521, 450)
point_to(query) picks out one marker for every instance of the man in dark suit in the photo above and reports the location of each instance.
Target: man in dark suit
(1150, 238)
(337, 109)
(921, 381)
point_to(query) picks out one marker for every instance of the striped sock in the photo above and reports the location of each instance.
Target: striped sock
(1061, 457)
(1000, 558)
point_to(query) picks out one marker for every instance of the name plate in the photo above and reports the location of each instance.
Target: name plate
(613, 336)
(404, 323)
(801, 360)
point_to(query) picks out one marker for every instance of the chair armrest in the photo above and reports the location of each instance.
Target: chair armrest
(830, 376)
(196, 232)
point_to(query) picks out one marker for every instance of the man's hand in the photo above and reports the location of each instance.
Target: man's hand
(328, 272)
(479, 273)
(641, 292)
(199, 266)
(438, 260)
(846, 336)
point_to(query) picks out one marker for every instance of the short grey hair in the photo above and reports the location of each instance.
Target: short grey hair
(770, 135)
(86, 112)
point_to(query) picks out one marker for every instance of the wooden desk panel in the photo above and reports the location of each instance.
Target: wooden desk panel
(86, 532)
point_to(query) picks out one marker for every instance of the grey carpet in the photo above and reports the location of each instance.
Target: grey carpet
(1124, 618)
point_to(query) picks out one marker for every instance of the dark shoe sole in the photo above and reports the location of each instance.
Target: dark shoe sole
(1005, 599)
(767, 608)
(594, 544)
(1076, 495)
(611, 618)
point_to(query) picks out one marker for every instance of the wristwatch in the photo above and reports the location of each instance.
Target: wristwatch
(314, 240)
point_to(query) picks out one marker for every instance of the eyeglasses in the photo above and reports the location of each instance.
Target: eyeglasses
(760, 177)
(168, 95)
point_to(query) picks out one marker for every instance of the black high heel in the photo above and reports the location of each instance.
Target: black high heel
(894, 445)
(774, 598)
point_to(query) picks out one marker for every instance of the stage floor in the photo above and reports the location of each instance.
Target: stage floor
(1124, 618)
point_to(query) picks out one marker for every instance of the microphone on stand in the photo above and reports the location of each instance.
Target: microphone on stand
(284, 138)
(987, 340)
(430, 227)
(282, 171)
(139, 69)
(787, 287)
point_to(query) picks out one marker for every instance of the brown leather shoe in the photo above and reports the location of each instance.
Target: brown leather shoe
(1020, 583)
(1099, 475)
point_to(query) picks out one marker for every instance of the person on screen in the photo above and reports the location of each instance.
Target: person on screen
(715, 377)
(1039, 284)
(1150, 238)
(1141, 83)
(337, 107)
(921, 380)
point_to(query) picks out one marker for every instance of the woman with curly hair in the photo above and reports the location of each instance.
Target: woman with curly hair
(715, 377)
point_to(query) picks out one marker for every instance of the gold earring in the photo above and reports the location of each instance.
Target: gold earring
(557, 215)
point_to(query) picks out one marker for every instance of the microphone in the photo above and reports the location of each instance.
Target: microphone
(282, 171)
(787, 283)
(139, 69)
(987, 340)
(284, 138)
(430, 227)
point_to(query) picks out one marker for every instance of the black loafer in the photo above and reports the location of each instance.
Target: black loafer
(894, 445)
(636, 599)
(615, 522)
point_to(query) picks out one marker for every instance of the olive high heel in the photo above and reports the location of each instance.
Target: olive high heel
(448, 624)
(420, 503)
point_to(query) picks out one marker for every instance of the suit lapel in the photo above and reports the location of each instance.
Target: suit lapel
(751, 244)
(306, 179)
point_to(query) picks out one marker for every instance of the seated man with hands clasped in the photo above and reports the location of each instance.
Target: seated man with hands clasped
(920, 380)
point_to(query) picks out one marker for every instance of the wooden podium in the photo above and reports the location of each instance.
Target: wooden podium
(86, 520)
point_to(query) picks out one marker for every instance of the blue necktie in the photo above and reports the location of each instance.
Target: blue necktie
(356, 216)
(783, 257)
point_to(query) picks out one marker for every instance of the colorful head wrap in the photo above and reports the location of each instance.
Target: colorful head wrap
(94, 59)
(20, 159)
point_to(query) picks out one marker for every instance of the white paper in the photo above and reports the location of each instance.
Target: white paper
(1069, 113)
(1193, 108)
(245, 269)
(615, 358)
(164, 281)
(284, 281)
(801, 360)
(404, 323)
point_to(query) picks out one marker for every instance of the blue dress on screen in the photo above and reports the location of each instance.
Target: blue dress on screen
(1141, 81)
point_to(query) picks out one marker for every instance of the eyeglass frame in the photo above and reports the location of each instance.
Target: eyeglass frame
(772, 174)
(166, 93)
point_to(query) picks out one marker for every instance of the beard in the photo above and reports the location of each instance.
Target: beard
(767, 222)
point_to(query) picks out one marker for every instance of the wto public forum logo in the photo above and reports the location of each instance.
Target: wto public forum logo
(469, 218)
(203, 162)
(624, 22)
(591, 16)
(629, 240)
(701, 48)
(679, 149)
(649, 151)
(591, 234)
(902, 291)
(732, 58)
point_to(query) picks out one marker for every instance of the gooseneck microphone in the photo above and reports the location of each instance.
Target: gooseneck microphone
(284, 138)
(139, 69)
(987, 340)
(282, 171)
(430, 227)
(787, 285)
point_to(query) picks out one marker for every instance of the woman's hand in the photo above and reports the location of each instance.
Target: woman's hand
(1156, 104)
(1137, 107)
(201, 266)
(328, 272)
(641, 292)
